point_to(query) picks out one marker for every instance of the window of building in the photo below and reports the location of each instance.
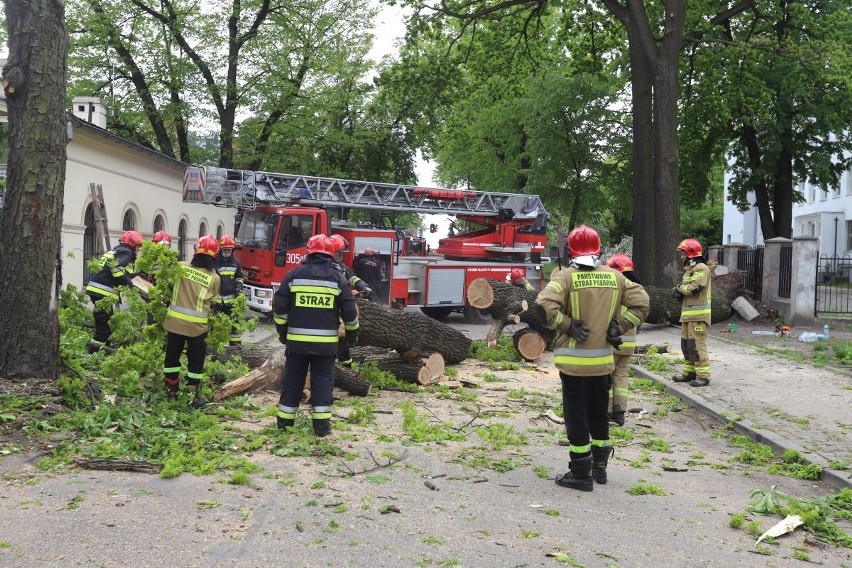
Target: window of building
(202, 229)
(823, 194)
(129, 221)
(836, 190)
(182, 230)
(159, 223)
(848, 235)
(811, 193)
(220, 230)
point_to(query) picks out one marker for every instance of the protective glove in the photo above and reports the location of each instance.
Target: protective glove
(367, 292)
(352, 338)
(578, 330)
(677, 294)
(282, 334)
(613, 335)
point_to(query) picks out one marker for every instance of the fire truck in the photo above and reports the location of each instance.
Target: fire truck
(278, 213)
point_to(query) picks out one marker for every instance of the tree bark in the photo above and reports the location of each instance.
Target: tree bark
(410, 333)
(34, 81)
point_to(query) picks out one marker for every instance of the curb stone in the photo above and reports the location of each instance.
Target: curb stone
(837, 479)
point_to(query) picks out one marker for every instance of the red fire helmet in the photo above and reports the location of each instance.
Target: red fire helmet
(584, 241)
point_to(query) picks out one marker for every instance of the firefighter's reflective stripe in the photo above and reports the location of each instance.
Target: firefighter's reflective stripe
(630, 316)
(227, 271)
(698, 309)
(230, 297)
(187, 314)
(312, 335)
(620, 392)
(171, 369)
(352, 325)
(560, 317)
(314, 293)
(582, 357)
(102, 290)
(287, 412)
(199, 376)
(555, 285)
(580, 449)
(280, 319)
(600, 443)
(321, 413)
(628, 341)
(119, 271)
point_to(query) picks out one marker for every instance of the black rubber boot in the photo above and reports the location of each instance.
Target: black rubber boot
(322, 427)
(600, 459)
(283, 423)
(198, 401)
(579, 475)
(617, 415)
(684, 377)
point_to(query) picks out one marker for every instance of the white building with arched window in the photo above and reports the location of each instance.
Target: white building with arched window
(142, 189)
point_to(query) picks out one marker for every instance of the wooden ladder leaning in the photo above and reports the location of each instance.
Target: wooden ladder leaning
(102, 242)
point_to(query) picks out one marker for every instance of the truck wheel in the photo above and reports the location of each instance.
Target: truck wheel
(437, 312)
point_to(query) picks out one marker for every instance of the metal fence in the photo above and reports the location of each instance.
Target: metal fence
(785, 271)
(750, 261)
(720, 256)
(832, 285)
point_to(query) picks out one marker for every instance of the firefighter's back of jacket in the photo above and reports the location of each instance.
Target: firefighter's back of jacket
(314, 297)
(189, 310)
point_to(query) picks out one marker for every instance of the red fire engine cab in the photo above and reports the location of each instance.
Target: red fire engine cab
(278, 213)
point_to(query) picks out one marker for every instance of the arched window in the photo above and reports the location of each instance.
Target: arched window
(202, 229)
(220, 230)
(129, 221)
(159, 223)
(182, 229)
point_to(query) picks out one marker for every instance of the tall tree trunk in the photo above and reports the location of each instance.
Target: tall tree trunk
(644, 252)
(34, 82)
(667, 203)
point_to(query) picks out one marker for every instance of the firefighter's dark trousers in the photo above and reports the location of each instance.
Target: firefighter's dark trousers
(102, 329)
(196, 352)
(584, 405)
(322, 382)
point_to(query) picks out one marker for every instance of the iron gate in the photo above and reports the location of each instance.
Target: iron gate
(750, 261)
(832, 286)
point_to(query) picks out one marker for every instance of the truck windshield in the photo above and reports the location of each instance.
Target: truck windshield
(257, 229)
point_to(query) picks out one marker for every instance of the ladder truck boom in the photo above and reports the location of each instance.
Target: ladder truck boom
(249, 189)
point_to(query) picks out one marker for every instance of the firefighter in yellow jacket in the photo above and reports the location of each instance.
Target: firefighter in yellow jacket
(186, 319)
(694, 295)
(618, 402)
(590, 306)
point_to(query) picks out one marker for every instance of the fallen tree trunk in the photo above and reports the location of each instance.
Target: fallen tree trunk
(410, 333)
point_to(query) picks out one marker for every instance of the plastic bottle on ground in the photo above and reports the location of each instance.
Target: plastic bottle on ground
(825, 332)
(809, 336)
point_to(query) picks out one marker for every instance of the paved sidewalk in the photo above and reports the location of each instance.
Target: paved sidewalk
(776, 401)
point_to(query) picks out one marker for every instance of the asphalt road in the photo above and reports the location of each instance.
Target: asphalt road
(451, 511)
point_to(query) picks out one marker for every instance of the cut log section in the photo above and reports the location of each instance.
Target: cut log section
(424, 370)
(529, 344)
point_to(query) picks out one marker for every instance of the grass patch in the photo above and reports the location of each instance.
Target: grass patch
(502, 352)
(640, 488)
(500, 435)
(419, 429)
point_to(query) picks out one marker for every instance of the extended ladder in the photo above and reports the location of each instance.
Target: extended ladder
(245, 188)
(102, 242)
